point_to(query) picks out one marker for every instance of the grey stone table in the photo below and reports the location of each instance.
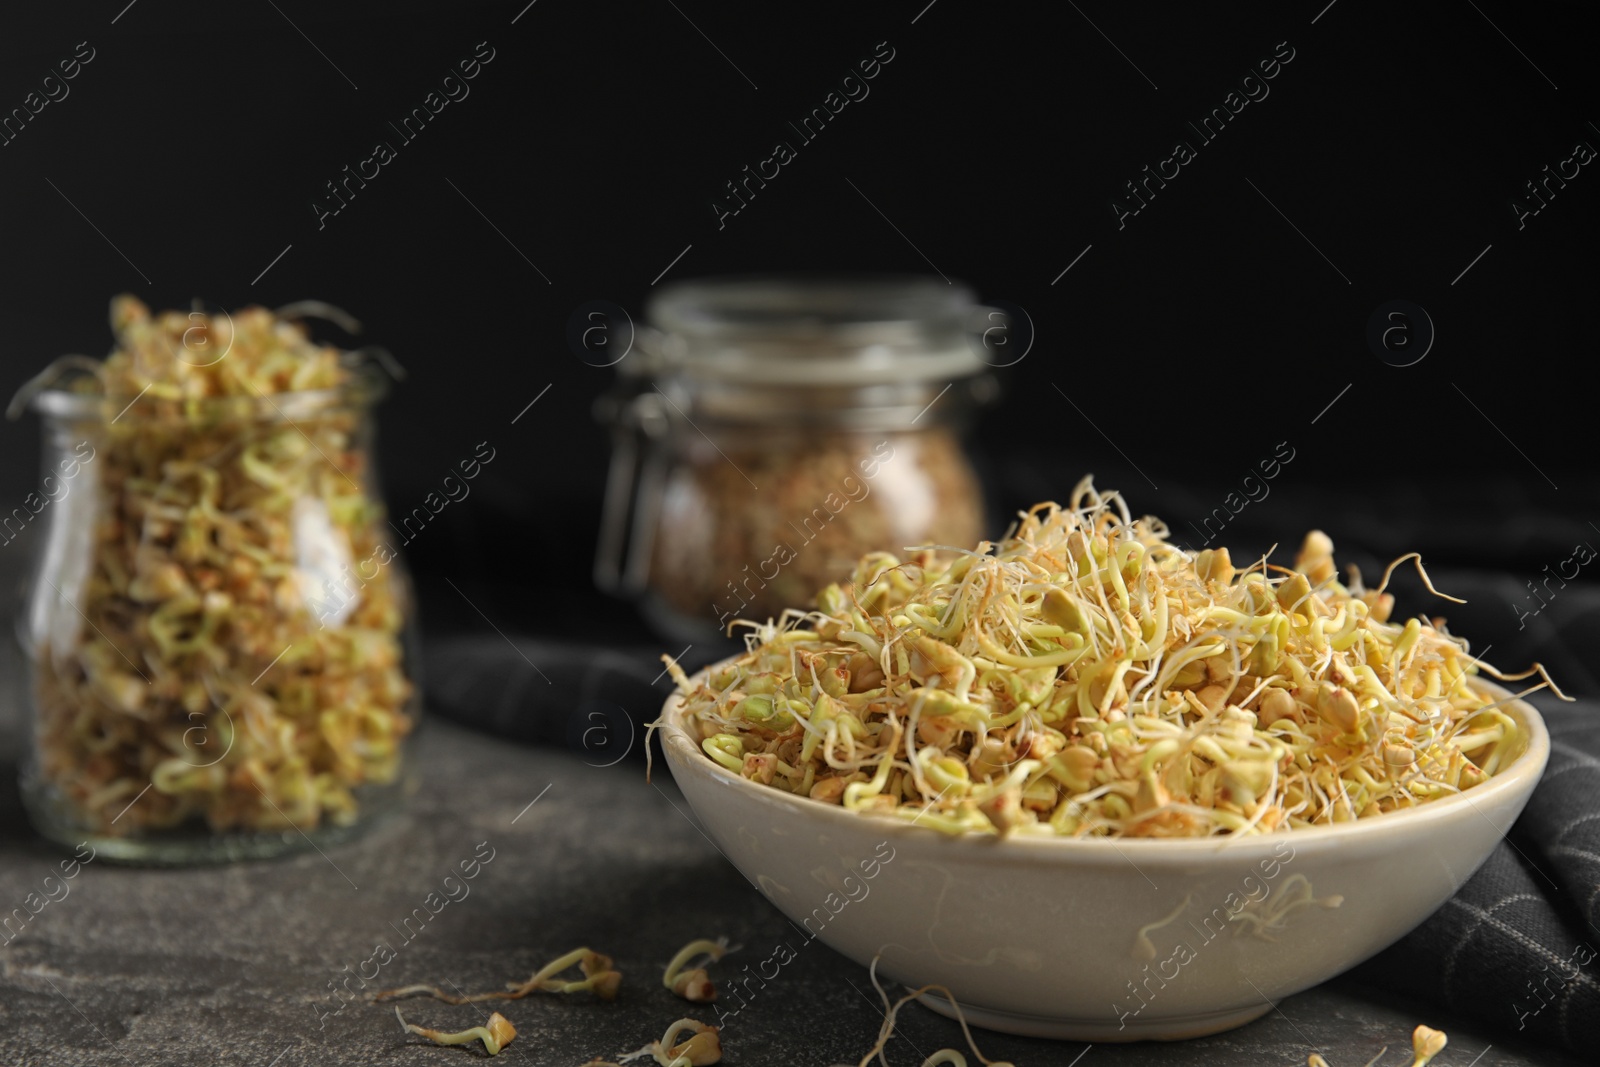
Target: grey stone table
(235, 965)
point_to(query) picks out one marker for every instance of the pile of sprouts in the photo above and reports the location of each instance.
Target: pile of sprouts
(1087, 677)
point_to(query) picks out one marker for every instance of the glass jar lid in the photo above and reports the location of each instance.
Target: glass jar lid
(797, 330)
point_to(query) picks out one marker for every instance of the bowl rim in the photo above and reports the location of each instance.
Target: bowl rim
(1518, 779)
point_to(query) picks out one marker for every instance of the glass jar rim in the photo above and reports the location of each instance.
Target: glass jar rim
(364, 388)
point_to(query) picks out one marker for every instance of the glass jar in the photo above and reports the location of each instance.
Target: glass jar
(219, 630)
(770, 432)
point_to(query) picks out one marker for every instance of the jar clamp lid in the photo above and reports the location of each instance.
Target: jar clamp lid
(837, 331)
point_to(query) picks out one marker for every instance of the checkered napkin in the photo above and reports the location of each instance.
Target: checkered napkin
(1518, 947)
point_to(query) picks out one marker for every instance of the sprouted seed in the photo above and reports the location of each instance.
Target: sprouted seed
(1426, 1043)
(892, 1011)
(694, 984)
(599, 978)
(700, 1048)
(206, 680)
(1086, 677)
(496, 1035)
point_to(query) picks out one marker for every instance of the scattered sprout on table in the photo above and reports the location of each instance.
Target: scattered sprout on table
(700, 1048)
(599, 978)
(1426, 1043)
(694, 984)
(496, 1035)
(1087, 677)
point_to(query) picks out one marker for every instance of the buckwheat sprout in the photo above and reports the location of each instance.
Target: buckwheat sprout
(317, 309)
(1426, 1043)
(1537, 668)
(599, 978)
(694, 984)
(700, 1049)
(1426, 581)
(496, 1035)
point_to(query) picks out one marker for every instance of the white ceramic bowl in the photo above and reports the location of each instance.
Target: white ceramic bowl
(1042, 936)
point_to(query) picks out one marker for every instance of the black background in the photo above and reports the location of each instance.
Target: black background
(1196, 338)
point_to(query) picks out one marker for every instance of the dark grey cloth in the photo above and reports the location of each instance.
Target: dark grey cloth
(588, 698)
(1519, 945)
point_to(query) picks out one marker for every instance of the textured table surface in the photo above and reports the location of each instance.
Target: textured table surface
(234, 965)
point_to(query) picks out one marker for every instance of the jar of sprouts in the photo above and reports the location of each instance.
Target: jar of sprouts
(767, 432)
(218, 626)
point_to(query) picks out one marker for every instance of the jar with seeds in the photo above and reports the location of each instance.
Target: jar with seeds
(769, 431)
